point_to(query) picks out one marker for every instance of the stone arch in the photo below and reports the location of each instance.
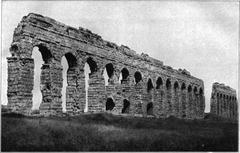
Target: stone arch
(110, 104)
(42, 70)
(72, 60)
(149, 85)
(92, 65)
(138, 77)
(126, 106)
(189, 88)
(176, 85)
(168, 84)
(176, 98)
(168, 97)
(110, 70)
(224, 103)
(46, 53)
(159, 96)
(195, 102)
(190, 101)
(159, 83)
(183, 100)
(183, 87)
(69, 89)
(90, 69)
(195, 91)
(150, 108)
(125, 75)
(220, 103)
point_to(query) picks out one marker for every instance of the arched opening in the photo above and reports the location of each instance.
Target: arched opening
(176, 87)
(92, 65)
(69, 64)
(39, 55)
(168, 84)
(195, 101)
(189, 88)
(176, 98)
(190, 100)
(150, 108)
(42, 56)
(183, 86)
(110, 70)
(124, 74)
(195, 90)
(183, 99)
(159, 83)
(169, 97)
(149, 85)
(110, 104)
(126, 106)
(90, 68)
(138, 77)
(108, 74)
(224, 102)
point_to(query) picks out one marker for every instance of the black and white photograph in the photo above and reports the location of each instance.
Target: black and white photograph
(120, 76)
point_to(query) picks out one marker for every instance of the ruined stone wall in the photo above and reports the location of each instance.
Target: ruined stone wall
(224, 101)
(148, 87)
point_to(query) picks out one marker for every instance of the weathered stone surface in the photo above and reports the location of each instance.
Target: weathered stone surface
(148, 87)
(224, 101)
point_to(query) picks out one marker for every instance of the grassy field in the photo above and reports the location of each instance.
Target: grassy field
(106, 132)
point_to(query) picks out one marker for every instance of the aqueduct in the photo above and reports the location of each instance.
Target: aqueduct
(147, 86)
(224, 101)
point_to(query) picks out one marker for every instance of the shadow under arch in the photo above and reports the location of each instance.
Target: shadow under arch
(110, 104)
(138, 77)
(125, 75)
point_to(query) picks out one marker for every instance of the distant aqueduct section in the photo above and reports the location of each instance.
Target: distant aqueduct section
(224, 101)
(147, 86)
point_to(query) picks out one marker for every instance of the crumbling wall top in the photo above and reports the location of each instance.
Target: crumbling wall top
(221, 87)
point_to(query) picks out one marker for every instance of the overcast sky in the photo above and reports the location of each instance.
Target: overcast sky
(201, 37)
